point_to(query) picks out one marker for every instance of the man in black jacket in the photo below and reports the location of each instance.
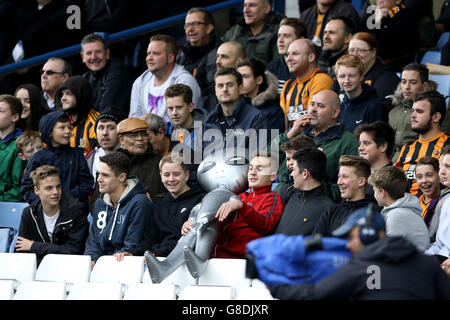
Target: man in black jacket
(198, 56)
(56, 223)
(110, 79)
(382, 268)
(352, 181)
(307, 199)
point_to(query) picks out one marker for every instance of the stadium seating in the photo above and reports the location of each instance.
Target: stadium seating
(5, 239)
(207, 293)
(10, 215)
(443, 83)
(40, 290)
(64, 267)
(6, 289)
(128, 271)
(18, 266)
(431, 56)
(232, 273)
(254, 294)
(151, 291)
(96, 291)
(443, 39)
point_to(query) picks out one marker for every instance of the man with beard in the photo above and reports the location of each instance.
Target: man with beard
(428, 112)
(74, 98)
(336, 38)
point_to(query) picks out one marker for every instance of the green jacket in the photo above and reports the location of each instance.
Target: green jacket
(264, 44)
(334, 142)
(11, 169)
(400, 121)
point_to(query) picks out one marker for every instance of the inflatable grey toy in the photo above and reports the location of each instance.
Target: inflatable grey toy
(223, 175)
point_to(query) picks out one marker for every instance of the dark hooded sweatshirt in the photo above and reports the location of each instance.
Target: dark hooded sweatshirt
(76, 179)
(119, 228)
(404, 274)
(365, 108)
(83, 132)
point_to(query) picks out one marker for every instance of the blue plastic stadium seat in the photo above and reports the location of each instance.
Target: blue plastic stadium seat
(5, 240)
(357, 4)
(10, 215)
(443, 39)
(431, 57)
(443, 83)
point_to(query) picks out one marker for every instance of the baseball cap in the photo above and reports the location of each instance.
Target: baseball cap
(359, 218)
(106, 116)
(131, 125)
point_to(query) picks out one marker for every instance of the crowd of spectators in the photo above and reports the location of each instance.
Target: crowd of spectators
(338, 97)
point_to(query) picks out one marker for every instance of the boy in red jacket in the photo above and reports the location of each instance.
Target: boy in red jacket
(254, 216)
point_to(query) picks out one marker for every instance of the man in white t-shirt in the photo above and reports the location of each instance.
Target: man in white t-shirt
(56, 223)
(147, 94)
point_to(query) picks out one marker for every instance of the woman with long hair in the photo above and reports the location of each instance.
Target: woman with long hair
(33, 108)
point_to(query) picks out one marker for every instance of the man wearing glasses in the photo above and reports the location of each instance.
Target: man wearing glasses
(144, 163)
(198, 56)
(53, 74)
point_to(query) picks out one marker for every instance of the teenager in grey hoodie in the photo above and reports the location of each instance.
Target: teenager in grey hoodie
(402, 211)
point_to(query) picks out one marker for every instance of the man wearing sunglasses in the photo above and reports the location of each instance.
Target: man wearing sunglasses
(53, 74)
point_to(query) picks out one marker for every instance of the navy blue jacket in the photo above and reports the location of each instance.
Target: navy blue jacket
(244, 117)
(365, 108)
(74, 173)
(119, 229)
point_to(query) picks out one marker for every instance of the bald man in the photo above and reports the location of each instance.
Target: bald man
(321, 123)
(296, 94)
(229, 54)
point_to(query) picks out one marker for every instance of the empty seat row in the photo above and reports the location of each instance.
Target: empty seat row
(126, 279)
(47, 290)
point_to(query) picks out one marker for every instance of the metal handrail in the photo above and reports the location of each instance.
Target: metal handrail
(115, 37)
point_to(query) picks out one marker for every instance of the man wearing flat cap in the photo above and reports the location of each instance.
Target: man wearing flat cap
(382, 268)
(144, 163)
